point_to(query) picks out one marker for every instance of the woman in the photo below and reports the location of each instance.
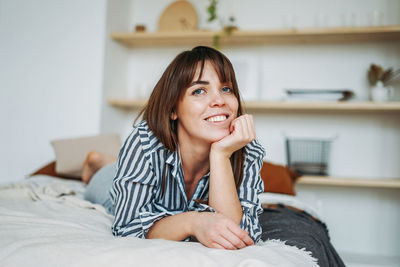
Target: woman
(191, 168)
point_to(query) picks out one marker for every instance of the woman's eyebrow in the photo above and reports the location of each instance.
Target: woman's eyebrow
(199, 82)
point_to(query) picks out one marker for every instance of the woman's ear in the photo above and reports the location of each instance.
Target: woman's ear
(173, 115)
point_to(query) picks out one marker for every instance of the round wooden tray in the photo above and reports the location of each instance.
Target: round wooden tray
(178, 16)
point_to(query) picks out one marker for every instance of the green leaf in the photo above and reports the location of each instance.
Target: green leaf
(212, 10)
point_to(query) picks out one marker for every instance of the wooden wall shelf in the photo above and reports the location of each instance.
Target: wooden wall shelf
(349, 182)
(265, 106)
(323, 106)
(254, 37)
(127, 103)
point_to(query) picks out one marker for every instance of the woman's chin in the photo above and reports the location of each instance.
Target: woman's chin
(218, 136)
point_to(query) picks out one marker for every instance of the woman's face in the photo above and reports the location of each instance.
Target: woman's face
(206, 109)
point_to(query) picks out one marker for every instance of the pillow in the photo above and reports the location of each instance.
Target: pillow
(278, 179)
(71, 153)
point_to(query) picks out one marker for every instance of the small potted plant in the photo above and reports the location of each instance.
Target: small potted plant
(380, 81)
(227, 29)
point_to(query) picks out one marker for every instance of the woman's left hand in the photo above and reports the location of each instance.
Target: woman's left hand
(242, 132)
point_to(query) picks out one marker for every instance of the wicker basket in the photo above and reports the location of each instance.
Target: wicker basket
(308, 156)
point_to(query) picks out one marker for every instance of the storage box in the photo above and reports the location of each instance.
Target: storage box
(308, 155)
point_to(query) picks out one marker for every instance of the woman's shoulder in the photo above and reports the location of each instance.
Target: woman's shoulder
(149, 142)
(254, 151)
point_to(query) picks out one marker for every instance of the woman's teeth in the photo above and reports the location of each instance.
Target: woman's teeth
(217, 118)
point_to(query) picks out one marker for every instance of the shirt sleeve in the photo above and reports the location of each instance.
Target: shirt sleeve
(202, 207)
(134, 192)
(252, 186)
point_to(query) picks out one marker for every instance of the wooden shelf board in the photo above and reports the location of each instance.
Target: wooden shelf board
(289, 106)
(349, 182)
(241, 37)
(328, 106)
(127, 103)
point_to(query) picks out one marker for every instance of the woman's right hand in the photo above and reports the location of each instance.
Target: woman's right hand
(214, 230)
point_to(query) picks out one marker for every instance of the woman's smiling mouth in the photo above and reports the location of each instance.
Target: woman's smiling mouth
(217, 118)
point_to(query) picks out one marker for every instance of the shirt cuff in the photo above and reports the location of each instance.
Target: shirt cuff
(149, 218)
(251, 224)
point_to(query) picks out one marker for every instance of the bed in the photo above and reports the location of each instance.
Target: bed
(44, 221)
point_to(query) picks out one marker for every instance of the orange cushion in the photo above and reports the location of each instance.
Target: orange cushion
(50, 169)
(278, 179)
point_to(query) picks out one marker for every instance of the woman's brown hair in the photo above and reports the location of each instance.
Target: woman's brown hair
(170, 89)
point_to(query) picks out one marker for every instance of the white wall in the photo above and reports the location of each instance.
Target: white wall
(51, 66)
(361, 221)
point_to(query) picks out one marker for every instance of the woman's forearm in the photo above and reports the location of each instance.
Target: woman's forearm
(176, 227)
(223, 196)
(211, 229)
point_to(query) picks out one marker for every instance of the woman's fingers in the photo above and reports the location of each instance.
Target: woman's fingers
(247, 129)
(244, 127)
(224, 243)
(233, 239)
(229, 240)
(238, 237)
(250, 126)
(240, 233)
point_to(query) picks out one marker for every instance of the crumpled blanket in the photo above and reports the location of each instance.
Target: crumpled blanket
(46, 222)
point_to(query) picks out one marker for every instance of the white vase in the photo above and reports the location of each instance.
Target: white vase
(381, 93)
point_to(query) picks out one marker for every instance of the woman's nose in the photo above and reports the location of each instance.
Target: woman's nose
(217, 99)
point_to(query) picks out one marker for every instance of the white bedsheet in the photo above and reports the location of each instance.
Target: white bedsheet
(45, 222)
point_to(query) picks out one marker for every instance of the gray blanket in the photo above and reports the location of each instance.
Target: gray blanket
(301, 230)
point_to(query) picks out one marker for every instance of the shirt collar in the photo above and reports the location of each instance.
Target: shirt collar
(173, 159)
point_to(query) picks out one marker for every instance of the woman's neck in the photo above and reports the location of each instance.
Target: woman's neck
(195, 160)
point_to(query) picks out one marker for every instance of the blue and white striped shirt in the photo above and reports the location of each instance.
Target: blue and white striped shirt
(139, 199)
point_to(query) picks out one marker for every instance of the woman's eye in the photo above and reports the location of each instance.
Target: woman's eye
(198, 91)
(226, 89)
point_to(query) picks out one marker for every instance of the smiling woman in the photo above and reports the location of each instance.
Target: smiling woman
(191, 168)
